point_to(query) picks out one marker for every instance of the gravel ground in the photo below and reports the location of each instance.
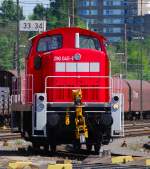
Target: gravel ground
(134, 146)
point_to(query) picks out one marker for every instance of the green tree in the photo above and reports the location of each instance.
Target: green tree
(8, 17)
(39, 12)
(56, 14)
(6, 49)
(62, 9)
(136, 49)
(9, 11)
(115, 60)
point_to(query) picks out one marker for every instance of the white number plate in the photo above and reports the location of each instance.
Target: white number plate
(34, 25)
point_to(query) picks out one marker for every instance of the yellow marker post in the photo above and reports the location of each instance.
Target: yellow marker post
(59, 166)
(147, 162)
(121, 159)
(19, 165)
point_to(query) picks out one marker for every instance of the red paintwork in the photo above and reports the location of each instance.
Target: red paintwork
(68, 49)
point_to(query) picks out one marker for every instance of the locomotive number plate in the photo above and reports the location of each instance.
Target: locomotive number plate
(76, 56)
(63, 58)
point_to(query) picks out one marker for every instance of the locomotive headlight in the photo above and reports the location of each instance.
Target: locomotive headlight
(40, 107)
(41, 98)
(116, 98)
(115, 106)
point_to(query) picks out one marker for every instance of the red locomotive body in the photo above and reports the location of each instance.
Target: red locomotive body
(63, 64)
(68, 86)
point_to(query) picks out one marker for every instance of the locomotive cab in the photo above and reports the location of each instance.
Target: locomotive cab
(68, 88)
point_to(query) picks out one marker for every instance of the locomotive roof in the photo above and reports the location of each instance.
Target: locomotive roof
(66, 29)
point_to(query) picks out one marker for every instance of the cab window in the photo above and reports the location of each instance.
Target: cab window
(49, 43)
(89, 42)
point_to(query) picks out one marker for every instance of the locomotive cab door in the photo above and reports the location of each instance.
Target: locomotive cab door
(117, 112)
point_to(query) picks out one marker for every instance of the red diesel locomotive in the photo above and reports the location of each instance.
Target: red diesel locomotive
(67, 90)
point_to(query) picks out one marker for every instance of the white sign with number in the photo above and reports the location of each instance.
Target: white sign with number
(32, 25)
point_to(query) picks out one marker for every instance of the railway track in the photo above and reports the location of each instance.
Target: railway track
(132, 128)
(80, 159)
(6, 134)
(9, 136)
(5, 130)
(108, 166)
(137, 128)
